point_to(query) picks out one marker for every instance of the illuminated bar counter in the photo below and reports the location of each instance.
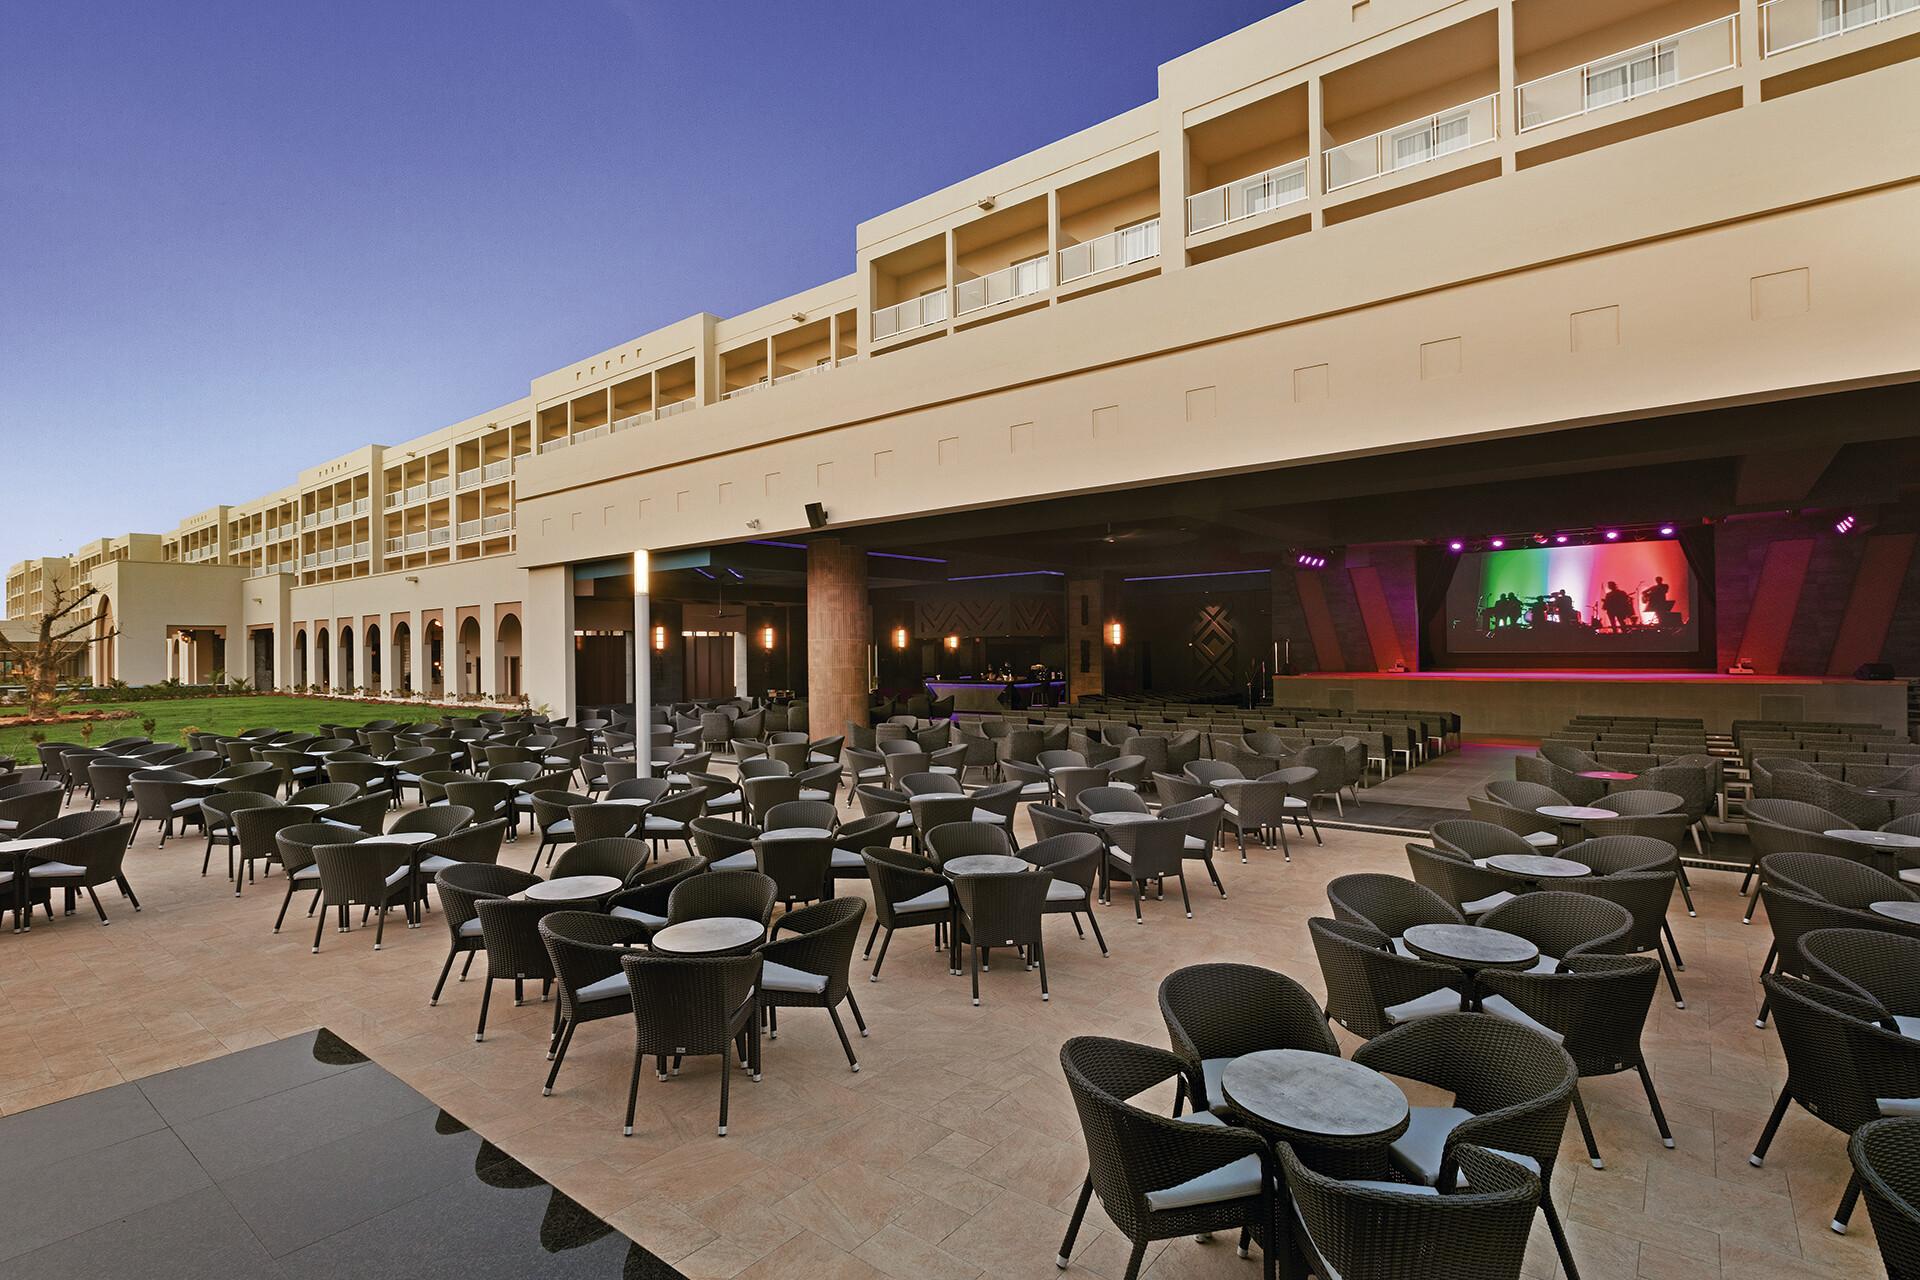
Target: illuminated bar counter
(997, 695)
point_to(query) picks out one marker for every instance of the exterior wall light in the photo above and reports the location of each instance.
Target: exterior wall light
(1114, 633)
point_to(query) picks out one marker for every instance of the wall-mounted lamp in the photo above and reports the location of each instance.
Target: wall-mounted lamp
(985, 204)
(414, 578)
(953, 643)
(1114, 633)
(899, 637)
(659, 638)
(766, 639)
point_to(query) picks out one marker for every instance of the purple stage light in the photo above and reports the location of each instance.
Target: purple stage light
(1666, 531)
(1560, 538)
(1455, 545)
(1845, 524)
(1498, 543)
(1613, 535)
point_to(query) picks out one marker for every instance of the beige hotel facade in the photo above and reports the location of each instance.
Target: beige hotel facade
(1355, 229)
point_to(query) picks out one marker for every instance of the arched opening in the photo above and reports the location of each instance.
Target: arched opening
(322, 659)
(467, 658)
(371, 661)
(300, 661)
(260, 651)
(434, 686)
(506, 680)
(403, 657)
(345, 677)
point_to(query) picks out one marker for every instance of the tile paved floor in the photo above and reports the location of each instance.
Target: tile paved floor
(954, 1152)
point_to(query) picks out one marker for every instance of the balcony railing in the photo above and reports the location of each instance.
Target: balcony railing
(416, 493)
(501, 523)
(1244, 197)
(467, 529)
(1021, 280)
(678, 406)
(309, 520)
(1632, 73)
(1417, 142)
(801, 373)
(500, 470)
(468, 478)
(632, 420)
(396, 545)
(1790, 24)
(440, 488)
(362, 505)
(747, 390)
(1121, 248)
(554, 446)
(914, 313)
(440, 536)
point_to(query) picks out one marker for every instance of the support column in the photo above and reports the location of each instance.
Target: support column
(642, 649)
(838, 631)
(417, 654)
(390, 661)
(1086, 641)
(742, 687)
(546, 639)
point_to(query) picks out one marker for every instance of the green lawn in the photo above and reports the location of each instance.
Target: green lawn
(213, 715)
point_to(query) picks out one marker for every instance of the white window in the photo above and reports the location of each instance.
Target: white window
(1630, 76)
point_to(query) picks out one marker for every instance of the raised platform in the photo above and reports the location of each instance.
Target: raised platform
(1536, 703)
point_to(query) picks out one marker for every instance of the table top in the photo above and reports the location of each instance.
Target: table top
(1468, 944)
(636, 801)
(407, 837)
(796, 833)
(1574, 812)
(25, 846)
(1877, 839)
(716, 933)
(1906, 912)
(1219, 783)
(1314, 1094)
(203, 782)
(1888, 793)
(1527, 864)
(570, 889)
(1120, 817)
(1607, 775)
(311, 804)
(986, 864)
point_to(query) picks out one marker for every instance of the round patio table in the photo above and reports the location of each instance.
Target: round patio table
(986, 864)
(1470, 948)
(405, 837)
(1537, 868)
(711, 936)
(797, 833)
(1120, 818)
(13, 855)
(1905, 912)
(1607, 775)
(570, 889)
(1316, 1098)
(1875, 839)
(1574, 814)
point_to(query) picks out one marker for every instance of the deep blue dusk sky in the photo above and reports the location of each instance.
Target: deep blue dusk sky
(239, 238)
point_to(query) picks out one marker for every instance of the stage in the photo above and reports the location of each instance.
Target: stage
(1533, 704)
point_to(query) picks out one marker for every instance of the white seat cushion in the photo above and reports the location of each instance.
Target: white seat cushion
(814, 793)
(1545, 964)
(1124, 786)
(1235, 1181)
(561, 827)
(821, 757)
(471, 928)
(987, 815)
(399, 874)
(6, 877)
(931, 900)
(731, 800)
(1212, 1070)
(1541, 839)
(1911, 875)
(877, 771)
(312, 872)
(1400, 948)
(1442, 1001)
(55, 869)
(434, 864)
(189, 805)
(780, 977)
(742, 861)
(1907, 1026)
(1202, 1117)
(606, 988)
(1293, 802)
(847, 860)
(1481, 905)
(1065, 891)
(946, 769)
(1898, 1106)
(1417, 1152)
(1195, 844)
(630, 913)
(1119, 857)
(1501, 1007)
(1036, 789)
(664, 825)
(905, 819)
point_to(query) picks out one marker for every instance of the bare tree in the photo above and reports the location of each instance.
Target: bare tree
(64, 629)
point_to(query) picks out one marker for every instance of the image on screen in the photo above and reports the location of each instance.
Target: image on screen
(1610, 601)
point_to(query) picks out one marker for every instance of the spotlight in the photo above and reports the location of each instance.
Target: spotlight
(1560, 538)
(1456, 545)
(1613, 535)
(1498, 543)
(1845, 524)
(1666, 531)
(1307, 560)
(1539, 539)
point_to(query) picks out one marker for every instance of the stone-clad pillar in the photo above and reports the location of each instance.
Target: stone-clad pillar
(839, 629)
(1086, 638)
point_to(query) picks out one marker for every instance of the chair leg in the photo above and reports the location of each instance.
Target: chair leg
(1679, 1001)
(1135, 1258)
(1073, 1224)
(1759, 1156)
(975, 950)
(1673, 946)
(882, 958)
(633, 1093)
(1567, 1268)
(379, 928)
(284, 904)
(319, 926)
(1185, 902)
(1754, 899)
(1213, 873)
(1848, 1198)
(98, 909)
(1686, 889)
(726, 1079)
(1586, 1131)
(486, 998)
(858, 1021)
(445, 969)
(871, 935)
(1137, 917)
(1653, 1100)
(845, 1043)
(1040, 953)
(559, 1054)
(1094, 920)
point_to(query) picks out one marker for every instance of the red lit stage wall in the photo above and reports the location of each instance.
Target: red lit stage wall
(1792, 598)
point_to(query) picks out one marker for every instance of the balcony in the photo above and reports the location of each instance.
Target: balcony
(396, 545)
(467, 529)
(440, 488)
(501, 523)
(1792, 24)
(914, 313)
(1121, 248)
(801, 373)
(678, 406)
(1245, 197)
(1021, 280)
(1415, 143)
(360, 506)
(1632, 73)
(439, 537)
(556, 445)
(468, 478)
(501, 470)
(747, 390)
(627, 423)
(309, 520)
(415, 493)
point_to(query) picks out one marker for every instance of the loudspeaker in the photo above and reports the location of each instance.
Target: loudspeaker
(1873, 671)
(816, 516)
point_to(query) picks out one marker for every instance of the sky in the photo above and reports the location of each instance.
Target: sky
(241, 238)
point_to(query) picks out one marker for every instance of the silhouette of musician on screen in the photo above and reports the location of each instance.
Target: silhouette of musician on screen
(1618, 605)
(1658, 599)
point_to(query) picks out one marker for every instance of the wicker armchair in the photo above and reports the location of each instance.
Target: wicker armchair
(1512, 1087)
(1571, 758)
(1469, 889)
(1148, 851)
(26, 805)
(1207, 772)
(670, 817)
(1645, 895)
(164, 796)
(647, 892)
(908, 892)
(1841, 1067)
(1791, 826)
(255, 829)
(615, 856)
(800, 866)
(997, 910)
(807, 968)
(585, 949)
(1160, 1178)
(1072, 859)
(1562, 925)
(1388, 904)
(1389, 1231)
(1477, 840)
(702, 1005)
(1204, 818)
(1370, 987)
(363, 812)
(1871, 965)
(1576, 789)
(110, 780)
(1833, 795)
(746, 894)
(510, 937)
(479, 842)
(88, 856)
(553, 816)
(371, 873)
(966, 839)
(1540, 832)
(1886, 1165)
(1217, 1012)
(440, 821)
